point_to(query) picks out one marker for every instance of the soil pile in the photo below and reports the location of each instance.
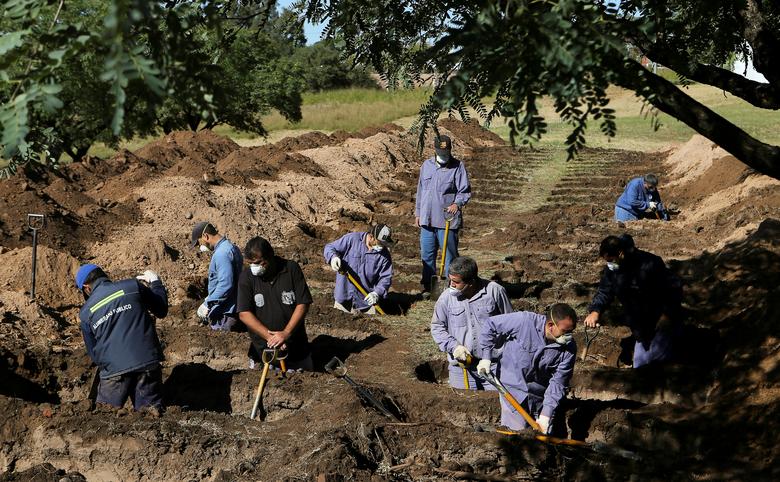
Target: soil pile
(56, 272)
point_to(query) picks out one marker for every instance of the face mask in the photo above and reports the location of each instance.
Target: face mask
(455, 291)
(612, 266)
(377, 248)
(564, 339)
(440, 161)
(256, 269)
(204, 249)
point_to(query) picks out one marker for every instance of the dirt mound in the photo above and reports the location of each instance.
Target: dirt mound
(471, 133)
(55, 274)
(692, 159)
(723, 173)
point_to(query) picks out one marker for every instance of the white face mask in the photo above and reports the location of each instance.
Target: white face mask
(455, 291)
(204, 249)
(564, 339)
(257, 269)
(441, 161)
(377, 248)
(612, 266)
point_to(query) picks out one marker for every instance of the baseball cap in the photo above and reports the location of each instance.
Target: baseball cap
(443, 146)
(383, 234)
(197, 232)
(83, 272)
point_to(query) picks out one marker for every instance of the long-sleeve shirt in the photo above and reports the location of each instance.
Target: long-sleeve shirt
(458, 321)
(374, 269)
(636, 199)
(224, 268)
(119, 334)
(437, 188)
(529, 363)
(645, 287)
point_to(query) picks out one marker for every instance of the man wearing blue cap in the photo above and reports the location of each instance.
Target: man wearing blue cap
(218, 310)
(120, 335)
(442, 190)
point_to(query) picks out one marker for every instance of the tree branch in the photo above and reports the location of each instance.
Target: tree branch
(760, 94)
(665, 96)
(763, 41)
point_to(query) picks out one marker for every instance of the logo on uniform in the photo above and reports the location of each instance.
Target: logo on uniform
(259, 300)
(288, 297)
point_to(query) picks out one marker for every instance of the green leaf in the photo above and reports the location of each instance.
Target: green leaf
(12, 40)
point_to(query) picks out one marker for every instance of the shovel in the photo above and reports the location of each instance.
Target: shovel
(268, 356)
(337, 368)
(513, 401)
(346, 272)
(438, 283)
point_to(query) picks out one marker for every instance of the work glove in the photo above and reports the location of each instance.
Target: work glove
(483, 367)
(335, 263)
(149, 276)
(461, 353)
(652, 205)
(544, 423)
(203, 311)
(371, 298)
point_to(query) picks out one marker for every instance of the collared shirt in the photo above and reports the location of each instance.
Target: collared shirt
(636, 199)
(437, 188)
(374, 269)
(458, 320)
(646, 289)
(272, 298)
(529, 363)
(224, 268)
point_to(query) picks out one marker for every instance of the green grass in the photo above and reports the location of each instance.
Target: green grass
(635, 130)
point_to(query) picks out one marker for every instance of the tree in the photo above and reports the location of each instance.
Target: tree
(324, 67)
(137, 54)
(517, 51)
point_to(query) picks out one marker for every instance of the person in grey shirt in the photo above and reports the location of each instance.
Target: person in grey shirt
(458, 318)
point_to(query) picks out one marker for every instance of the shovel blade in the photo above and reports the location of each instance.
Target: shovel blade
(438, 285)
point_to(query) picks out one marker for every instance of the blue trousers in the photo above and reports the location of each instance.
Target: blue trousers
(659, 349)
(144, 388)
(431, 239)
(624, 215)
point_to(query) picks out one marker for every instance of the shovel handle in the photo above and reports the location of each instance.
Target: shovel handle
(260, 387)
(512, 401)
(444, 247)
(360, 288)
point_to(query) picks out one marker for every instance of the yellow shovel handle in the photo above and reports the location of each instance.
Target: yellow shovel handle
(444, 247)
(465, 377)
(513, 401)
(363, 292)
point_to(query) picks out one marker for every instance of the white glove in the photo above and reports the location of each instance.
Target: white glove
(149, 276)
(653, 205)
(544, 423)
(335, 263)
(461, 353)
(371, 298)
(483, 367)
(203, 311)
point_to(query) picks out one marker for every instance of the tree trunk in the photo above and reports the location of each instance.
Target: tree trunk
(666, 97)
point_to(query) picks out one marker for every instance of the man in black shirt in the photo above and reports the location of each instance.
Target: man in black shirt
(273, 299)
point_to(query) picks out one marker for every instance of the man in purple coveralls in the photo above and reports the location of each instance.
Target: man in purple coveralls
(442, 190)
(536, 363)
(458, 318)
(367, 257)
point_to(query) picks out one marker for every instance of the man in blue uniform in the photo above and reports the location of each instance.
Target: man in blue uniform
(120, 335)
(219, 307)
(649, 293)
(640, 200)
(442, 191)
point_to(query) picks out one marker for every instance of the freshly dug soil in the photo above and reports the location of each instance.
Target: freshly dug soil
(531, 228)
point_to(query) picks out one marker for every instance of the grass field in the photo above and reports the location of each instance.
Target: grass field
(354, 109)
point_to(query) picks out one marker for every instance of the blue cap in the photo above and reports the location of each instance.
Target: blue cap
(83, 272)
